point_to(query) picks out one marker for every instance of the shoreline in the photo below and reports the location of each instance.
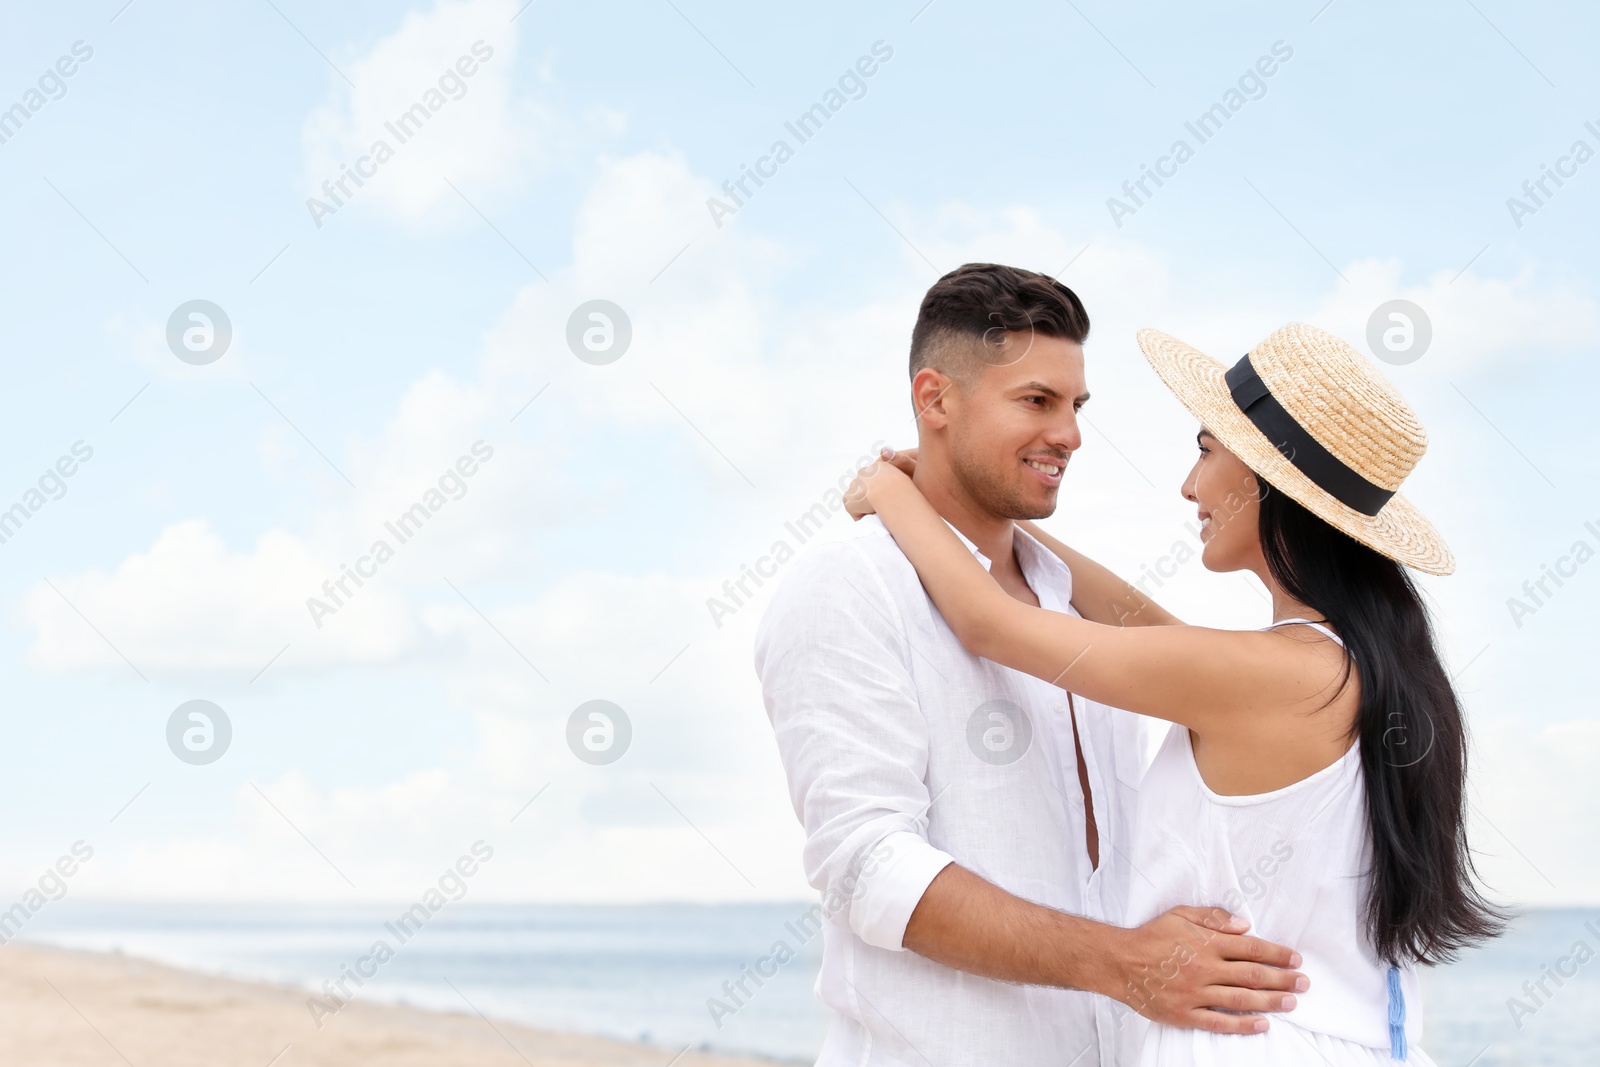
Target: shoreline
(77, 1008)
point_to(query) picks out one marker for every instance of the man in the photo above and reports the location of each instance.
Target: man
(963, 821)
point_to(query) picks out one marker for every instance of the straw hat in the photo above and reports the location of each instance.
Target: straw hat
(1316, 420)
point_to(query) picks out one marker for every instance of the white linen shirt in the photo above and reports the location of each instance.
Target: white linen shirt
(904, 752)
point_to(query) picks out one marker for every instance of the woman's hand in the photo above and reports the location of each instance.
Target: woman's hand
(891, 465)
(905, 459)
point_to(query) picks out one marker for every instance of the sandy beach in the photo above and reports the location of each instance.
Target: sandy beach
(60, 1008)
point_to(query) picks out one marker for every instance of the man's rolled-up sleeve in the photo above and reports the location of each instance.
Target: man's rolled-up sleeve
(834, 661)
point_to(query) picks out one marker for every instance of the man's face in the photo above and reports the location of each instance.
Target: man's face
(1012, 430)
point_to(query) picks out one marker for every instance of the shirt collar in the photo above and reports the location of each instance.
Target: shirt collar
(971, 547)
(1046, 574)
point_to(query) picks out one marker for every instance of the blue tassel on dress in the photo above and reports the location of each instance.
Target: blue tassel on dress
(1397, 1015)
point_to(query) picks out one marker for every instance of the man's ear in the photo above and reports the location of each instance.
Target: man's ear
(933, 392)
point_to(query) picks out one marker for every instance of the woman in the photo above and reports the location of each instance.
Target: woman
(1313, 778)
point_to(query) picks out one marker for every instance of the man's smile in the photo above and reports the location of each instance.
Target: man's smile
(1048, 470)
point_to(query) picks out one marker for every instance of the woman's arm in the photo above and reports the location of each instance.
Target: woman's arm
(1205, 679)
(1097, 592)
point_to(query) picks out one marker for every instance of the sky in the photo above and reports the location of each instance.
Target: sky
(589, 485)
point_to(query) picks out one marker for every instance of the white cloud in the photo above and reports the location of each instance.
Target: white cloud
(1476, 320)
(1534, 793)
(474, 130)
(188, 603)
(263, 854)
(701, 763)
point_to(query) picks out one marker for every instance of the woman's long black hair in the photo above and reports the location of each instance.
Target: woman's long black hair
(1423, 903)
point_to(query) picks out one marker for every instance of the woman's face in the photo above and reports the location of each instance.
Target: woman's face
(1228, 495)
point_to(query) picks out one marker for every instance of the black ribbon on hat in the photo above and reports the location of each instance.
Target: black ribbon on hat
(1326, 470)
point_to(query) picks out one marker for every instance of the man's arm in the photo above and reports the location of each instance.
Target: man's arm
(1176, 969)
(834, 662)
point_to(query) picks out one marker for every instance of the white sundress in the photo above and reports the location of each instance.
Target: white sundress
(1293, 862)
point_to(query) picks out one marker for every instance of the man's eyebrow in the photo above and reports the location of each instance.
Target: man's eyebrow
(1039, 387)
(1050, 391)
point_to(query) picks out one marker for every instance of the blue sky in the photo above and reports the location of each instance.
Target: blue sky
(430, 312)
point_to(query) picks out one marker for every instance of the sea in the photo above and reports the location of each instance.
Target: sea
(662, 973)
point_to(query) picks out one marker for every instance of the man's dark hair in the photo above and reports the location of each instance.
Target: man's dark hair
(967, 314)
